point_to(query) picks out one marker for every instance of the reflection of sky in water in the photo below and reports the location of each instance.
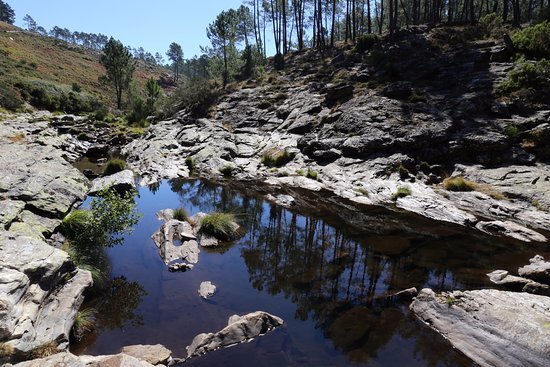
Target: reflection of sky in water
(331, 289)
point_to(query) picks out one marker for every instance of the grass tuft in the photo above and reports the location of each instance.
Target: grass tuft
(458, 183)
(181, 214)
(312, 174)
(219, 225)
(401, 193)
(227, 170)
(84, 322)
(276, 157)
(113, 166)
(45, 350)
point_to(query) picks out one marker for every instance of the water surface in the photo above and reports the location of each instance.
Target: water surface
(328, 281)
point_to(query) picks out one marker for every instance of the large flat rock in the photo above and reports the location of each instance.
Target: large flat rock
(493, 328)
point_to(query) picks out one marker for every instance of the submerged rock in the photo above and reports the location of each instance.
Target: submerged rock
(121, 181)
(493, 328)
(510, 229)
(207, 289)
(238, 330)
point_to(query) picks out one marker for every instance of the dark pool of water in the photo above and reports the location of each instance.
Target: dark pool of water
(329, 283)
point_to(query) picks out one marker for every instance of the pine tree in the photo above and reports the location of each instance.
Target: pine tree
(119, 65)
(6, 13)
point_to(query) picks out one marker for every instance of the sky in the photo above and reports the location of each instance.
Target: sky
(151, 24)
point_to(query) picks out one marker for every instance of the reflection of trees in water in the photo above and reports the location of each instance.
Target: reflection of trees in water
(341, 283)
(117, 304)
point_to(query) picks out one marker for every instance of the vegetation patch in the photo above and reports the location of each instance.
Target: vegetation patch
(528, 75)
(276, 157)
(312, 174)
(362, 191)
(458, 183)
(401, 193)
(190, 163)
(227, 170)
(220, 225)
(365, 42)
(534, 41)
(113, 166)
(6, 351)
(84, 323)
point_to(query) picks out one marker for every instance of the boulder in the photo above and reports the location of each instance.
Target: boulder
(491, 327)
(154, 354)
(338, 92)
(398, 90)
(167, 236)
(238, 330)
(538, 270)
(121, 181)
(117, 360)
(207, 290)
(57, 360)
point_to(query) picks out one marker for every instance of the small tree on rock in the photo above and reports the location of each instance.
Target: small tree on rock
(120, 66)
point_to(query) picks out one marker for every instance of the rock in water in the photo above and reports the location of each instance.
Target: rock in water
(121, 181)
(238, 330)
(493, 328)
(207, 290)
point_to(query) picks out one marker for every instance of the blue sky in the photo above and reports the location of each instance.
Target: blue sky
(152, 25)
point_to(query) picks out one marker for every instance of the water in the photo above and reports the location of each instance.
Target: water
(328, 281)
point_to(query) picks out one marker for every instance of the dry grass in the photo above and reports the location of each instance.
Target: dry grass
(6, 350)
(18, 138)
(461, 184)
(45, 350)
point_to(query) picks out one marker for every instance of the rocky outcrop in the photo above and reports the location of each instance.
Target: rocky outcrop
(238, 330)
(363, 143)
(493, 328)
(40, 288)
(153, 354)
(41, 292)
(537, 270)
(534, 278)
(135, 356)
(121, 182)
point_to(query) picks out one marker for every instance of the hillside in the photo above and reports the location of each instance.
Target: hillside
(31, 59)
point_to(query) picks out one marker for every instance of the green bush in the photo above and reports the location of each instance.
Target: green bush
(279, 62)
(526, 75)
(276, 157)
(490, 25)
(84, 323)
(365, 42)
(511, 131)
(401, 193)
(113, 166)
(220, 225)
(76, 87)
(9, 98)
(195, 96)
(181, 214)
(458, 183)
(534, 41)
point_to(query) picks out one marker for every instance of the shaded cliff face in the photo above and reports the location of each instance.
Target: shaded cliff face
(407, 113)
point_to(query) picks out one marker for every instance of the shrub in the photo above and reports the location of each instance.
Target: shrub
(458, 183)
(6, 351)
(365, 42)
(190, 163)
(403, 172)
(525, 75)
(76, 87)
(511, 131)
(279, 62)
(362, 191)
(180, 214)
(534, 41)
(276, 157)
(227, 170)
(195, 96)
(401, 193)
(490, 24)
(300, 172)
(219, 225)
(113, 166)
(424, 167)
(84, 322)
(9, 98)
